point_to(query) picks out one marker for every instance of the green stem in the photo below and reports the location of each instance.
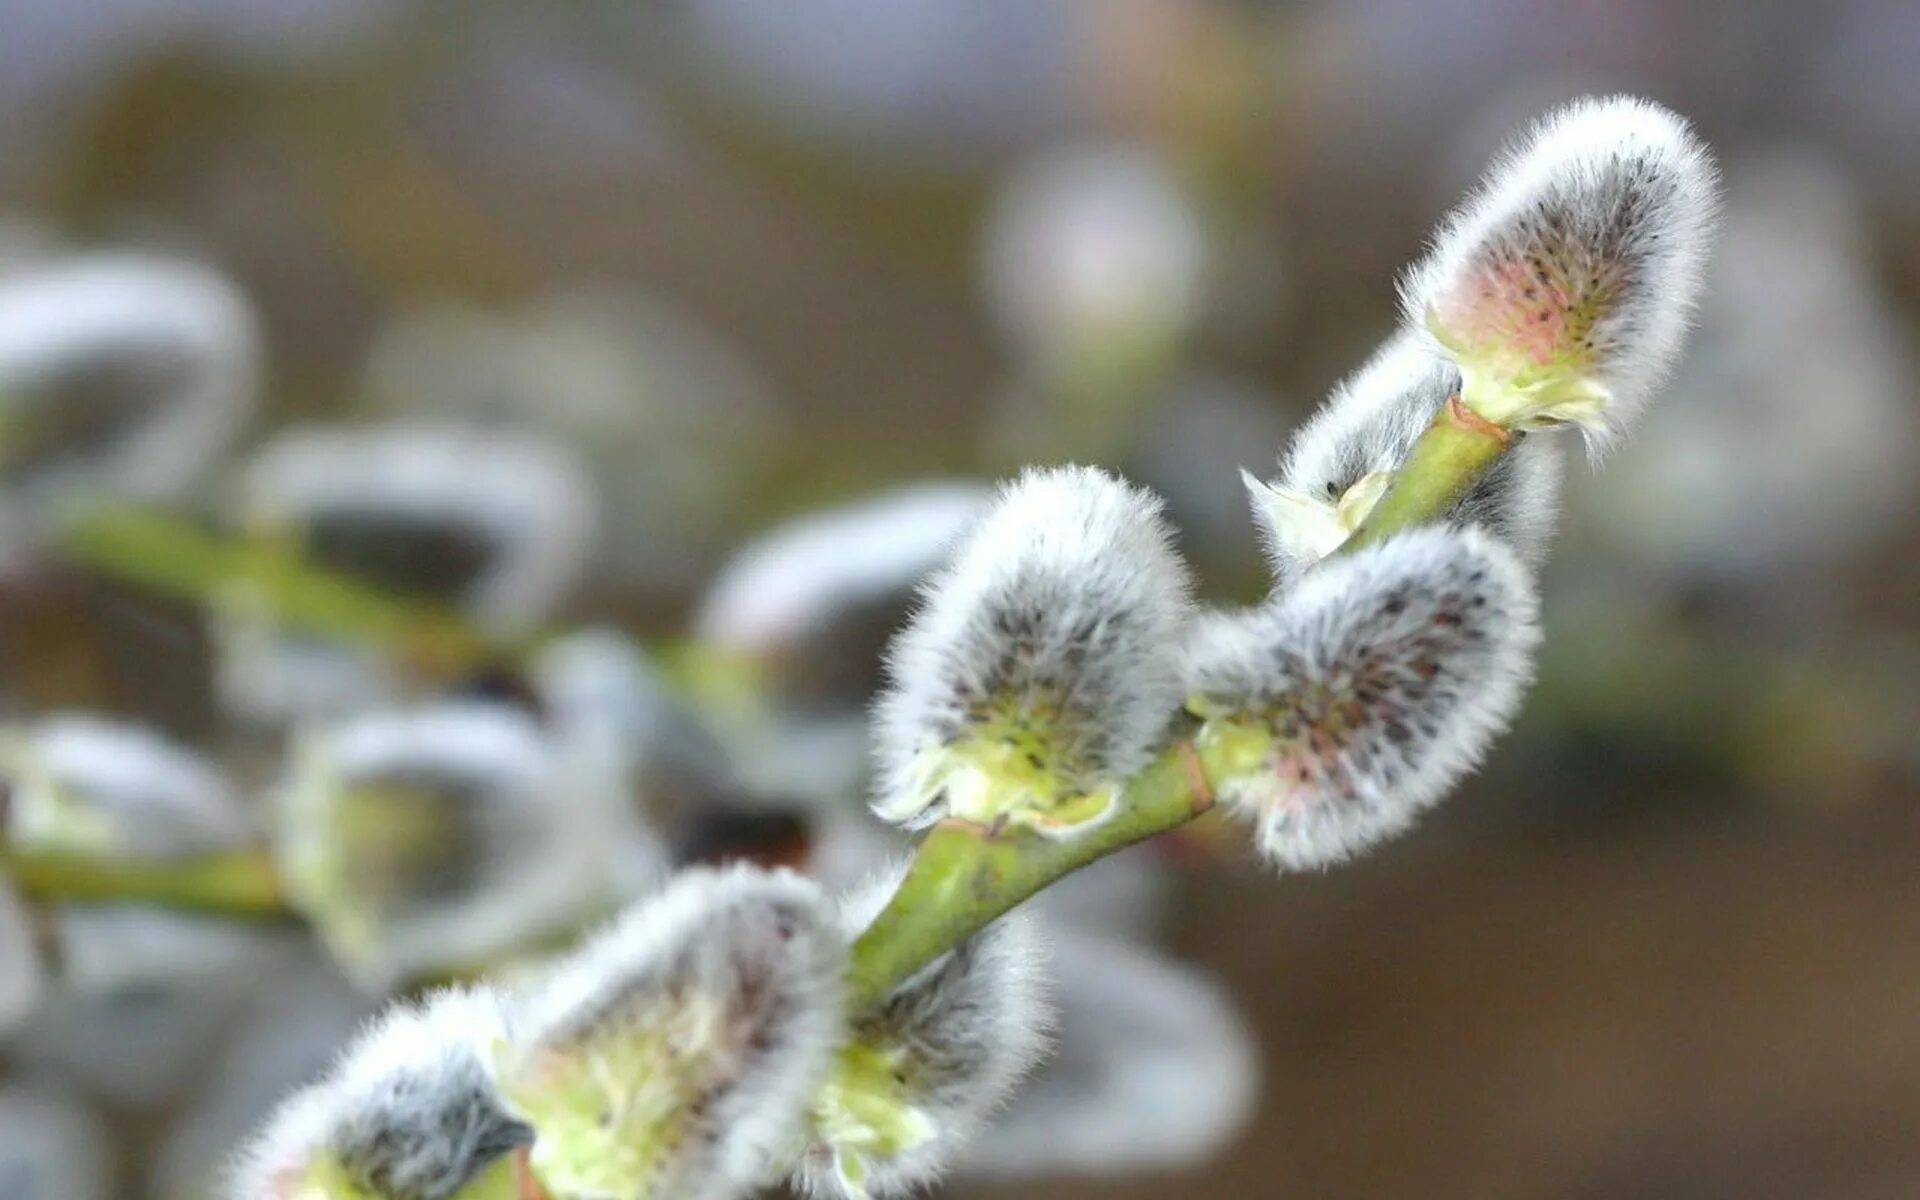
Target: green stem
(175, 557)
(964, 875)
(232, 883)
(1454, 454)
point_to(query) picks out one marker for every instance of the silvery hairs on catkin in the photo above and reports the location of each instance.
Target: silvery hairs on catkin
(1067, 594)
(730, 980)
(409, 1112)
(1583, 247)
(1362, 694)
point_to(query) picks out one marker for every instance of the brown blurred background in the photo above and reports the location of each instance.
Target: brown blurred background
(1667, 945)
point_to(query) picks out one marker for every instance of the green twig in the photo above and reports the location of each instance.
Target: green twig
(175, 557)
(233, 883)
(1454, 454)
(965, 875)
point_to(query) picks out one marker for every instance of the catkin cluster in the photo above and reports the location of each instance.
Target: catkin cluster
(702, 1045)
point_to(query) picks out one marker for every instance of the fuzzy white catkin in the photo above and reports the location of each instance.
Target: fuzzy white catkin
(1069, 593)
(606, 697)
(60, 318)
(673, 423)
(531, 835)
(1369, 424)
(1586, 242)
(409, 1112)
(113, 789)
(744, 969)
(271, 681)
(800, 575)
(526, 498)
(809, 606)
(969, 1028)
(524, 502)
(1380, 679)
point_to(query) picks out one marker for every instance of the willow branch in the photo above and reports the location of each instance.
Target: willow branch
(964, 876)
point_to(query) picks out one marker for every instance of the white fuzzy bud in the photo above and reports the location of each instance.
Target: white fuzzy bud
(1043, 668)
(1338, 712)
(802, 616)
(596, 677)
(673, 1057)
(410, 1112)
(924, 1069)
(674, 424)
(86, 785)
(613, 715)
(500, 523)
(1342, 461)
(607, 697)
(1564, 285)
(94, 318)
(435, 838)
(797, 578)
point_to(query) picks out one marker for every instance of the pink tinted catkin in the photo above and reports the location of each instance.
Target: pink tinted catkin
(1563, 286)
(1338, 712)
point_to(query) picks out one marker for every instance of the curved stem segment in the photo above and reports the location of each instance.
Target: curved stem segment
(965, 875)
(233, 883)
(1454, 454)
